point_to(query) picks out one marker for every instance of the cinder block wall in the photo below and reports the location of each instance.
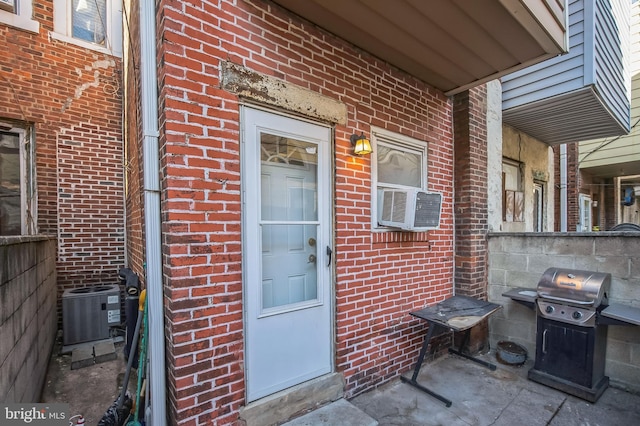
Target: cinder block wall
(518, 260)
(27, 315)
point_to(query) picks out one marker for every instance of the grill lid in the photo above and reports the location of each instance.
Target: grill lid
(586, 288)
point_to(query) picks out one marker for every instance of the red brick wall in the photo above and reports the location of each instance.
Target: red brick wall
(471, 208)
(377, 283)
(71, 96)
(90, 210)
(134, 185)
(610, 218)
(471, 192)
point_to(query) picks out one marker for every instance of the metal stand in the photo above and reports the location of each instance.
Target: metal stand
(413, 381)
(435, 318)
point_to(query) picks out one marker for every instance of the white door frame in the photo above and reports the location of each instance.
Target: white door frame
(251, 270)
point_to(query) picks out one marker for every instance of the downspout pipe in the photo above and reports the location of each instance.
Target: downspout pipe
(563, 188)
(151, 166)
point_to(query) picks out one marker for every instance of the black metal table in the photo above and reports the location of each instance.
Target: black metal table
(457, 313)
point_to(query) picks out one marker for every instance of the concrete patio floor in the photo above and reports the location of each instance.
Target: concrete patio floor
(88, 388)
(480, 397)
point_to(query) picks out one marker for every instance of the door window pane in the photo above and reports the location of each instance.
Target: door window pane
(289, 175)
(289, 265)
(288, 195)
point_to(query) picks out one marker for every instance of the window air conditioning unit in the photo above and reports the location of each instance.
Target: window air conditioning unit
(411, 210)
(88, 313)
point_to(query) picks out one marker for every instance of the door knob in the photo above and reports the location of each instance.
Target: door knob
(312, 258)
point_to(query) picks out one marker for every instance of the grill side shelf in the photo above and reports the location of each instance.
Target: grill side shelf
(622, 314)
(522, 295)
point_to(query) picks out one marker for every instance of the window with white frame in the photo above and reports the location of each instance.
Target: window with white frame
(399, 162)
(18, 14)
(17, 194)
(95, 24)
(585, 213)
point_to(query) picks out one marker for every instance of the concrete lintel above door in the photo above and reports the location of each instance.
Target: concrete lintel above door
(266, 89)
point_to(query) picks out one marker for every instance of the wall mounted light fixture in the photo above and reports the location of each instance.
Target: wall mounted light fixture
(361, 145)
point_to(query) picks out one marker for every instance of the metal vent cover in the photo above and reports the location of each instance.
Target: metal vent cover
(427, 212)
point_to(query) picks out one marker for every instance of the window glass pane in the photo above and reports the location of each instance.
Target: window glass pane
(10, 212)
(8, 5)
(511, 175)
(89, 20)
(399, 167)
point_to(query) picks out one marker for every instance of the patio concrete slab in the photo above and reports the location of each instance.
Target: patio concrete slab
(482, 397)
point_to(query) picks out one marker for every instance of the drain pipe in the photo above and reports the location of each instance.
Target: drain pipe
(151, 165)
(563, 188)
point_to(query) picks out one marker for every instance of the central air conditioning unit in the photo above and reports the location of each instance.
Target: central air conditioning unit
(410, 209)
(88, 313)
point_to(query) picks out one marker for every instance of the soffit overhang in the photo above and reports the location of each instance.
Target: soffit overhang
(452, 45)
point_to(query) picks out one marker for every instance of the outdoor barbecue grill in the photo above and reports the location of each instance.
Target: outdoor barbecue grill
(571, 343)
(572, 316)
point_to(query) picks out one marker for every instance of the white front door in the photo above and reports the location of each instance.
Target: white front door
(286, 251)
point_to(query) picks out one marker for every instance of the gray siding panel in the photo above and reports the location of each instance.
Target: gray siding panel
(612, 57)
(565, 71)
(596, 66)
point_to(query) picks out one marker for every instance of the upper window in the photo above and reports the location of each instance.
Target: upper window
(399, 163)
(88, 20)
(18, 14)
(95, 24)
(513, 196)
(17, 195)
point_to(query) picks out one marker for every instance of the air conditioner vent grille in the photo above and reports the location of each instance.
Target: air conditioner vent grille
(394, 205)
(427, 210)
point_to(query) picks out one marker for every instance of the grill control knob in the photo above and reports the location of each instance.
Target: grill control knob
(576, 315)
(549, 309)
